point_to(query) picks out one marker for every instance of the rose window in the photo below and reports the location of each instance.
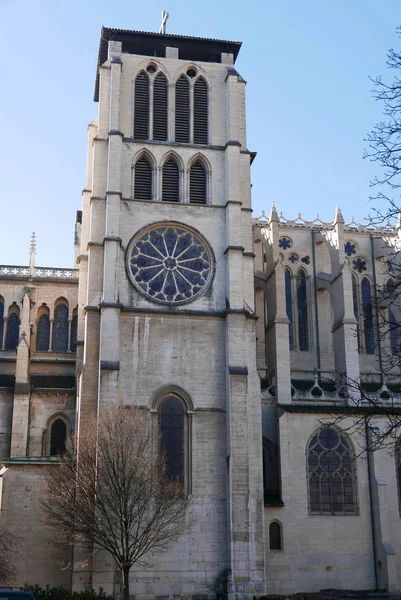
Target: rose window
(170, 264)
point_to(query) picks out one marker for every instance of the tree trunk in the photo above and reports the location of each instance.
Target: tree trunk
(125, 573)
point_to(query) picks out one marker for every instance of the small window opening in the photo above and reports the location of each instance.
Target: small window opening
(275, 536)
(58, 437)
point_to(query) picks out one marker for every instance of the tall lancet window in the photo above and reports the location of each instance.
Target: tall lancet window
(182, 116)
(160, 95)
(171, 181)
(60, 329)
(288, 306)
(302, 306)
(12, 334)
(197, 184)
(172, 437)
(394, 330)
(200, 112)
(143, 175)
(43, 332)
(141, 107)
(367, 311)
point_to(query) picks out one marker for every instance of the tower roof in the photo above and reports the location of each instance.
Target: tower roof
(154, 44)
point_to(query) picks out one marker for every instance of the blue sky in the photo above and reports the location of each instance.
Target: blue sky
(307, 64)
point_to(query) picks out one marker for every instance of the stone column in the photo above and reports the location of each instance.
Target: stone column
(345, 343)
(244, 437)
(22, 394)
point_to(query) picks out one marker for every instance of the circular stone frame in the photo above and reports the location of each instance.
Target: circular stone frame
(170, 263)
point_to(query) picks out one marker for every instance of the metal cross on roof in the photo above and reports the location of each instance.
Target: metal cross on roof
(164, 21)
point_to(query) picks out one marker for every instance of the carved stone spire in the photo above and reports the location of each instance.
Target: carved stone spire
(273, 214)
(32, 255)
(338, 217)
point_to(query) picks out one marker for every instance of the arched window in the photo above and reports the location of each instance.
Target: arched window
(172, 436)
(275, 537)
(60, 329)
(160, 91)
(302, 306)
(171, 181)
(394, 330)
(13, 323)
(288, 306)
(367, 310)
(141, 107)
(143, 179)
(200, 112)
(74, 328)
(58, 437)
(182, 115)
(331, 474)
(197, 184)
(1, 321)
(271, 479)
(43, 333)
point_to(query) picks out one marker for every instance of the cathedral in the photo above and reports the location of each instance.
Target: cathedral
(182, 300)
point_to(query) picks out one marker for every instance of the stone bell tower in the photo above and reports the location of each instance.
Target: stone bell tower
(166, 295)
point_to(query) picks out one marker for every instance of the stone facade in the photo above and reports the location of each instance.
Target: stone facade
(255, 348)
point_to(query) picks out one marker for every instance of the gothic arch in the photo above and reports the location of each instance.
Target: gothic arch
(147, 186)
(171, 390)
(47, 432)
(173, 409)
(331, 472)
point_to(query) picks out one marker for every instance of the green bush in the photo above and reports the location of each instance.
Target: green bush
(59, 593)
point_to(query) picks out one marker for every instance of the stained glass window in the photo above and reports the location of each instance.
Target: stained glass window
(302, 304)
(331, 474)
(275, 536)
(350, 248)
(288, 305)
(58, 436)
(12, 335)
(43, 334)
(284, 243)
(1, 321)
(394, 332)
(367, 310)
(359, 265)
(73, 337)
(170, 264)
(60, 329)
(172, 436)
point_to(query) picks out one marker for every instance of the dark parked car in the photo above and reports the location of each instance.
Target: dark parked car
(15, 594)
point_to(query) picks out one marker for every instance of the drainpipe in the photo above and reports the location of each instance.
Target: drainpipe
(372, 516)
(316, 308)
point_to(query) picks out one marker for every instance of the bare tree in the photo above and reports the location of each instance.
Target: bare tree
(8, 551)
(111, 489)
(384, 141)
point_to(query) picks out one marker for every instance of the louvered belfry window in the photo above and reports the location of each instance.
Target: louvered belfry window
(200, 112)
(160, 90)
(143, 179)
(197, 184)
(141, 107)
(171, 181)
(182, 110)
